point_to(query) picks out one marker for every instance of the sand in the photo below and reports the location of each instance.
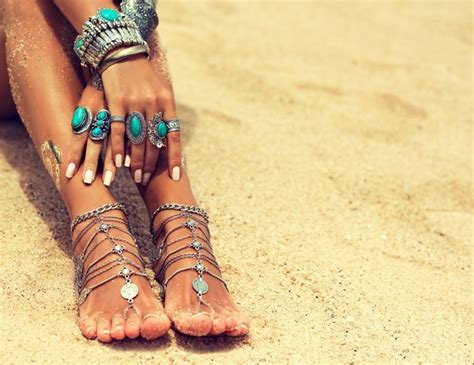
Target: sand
(332, 145)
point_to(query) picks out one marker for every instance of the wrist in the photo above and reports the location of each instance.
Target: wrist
(122, 55)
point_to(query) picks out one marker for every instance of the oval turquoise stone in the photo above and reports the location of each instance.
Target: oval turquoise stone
(79, 43)
(161, 129)
(102, 115)
(99, 123)
(135, 126)
(78, 117)
(109, 14)
(96, 132)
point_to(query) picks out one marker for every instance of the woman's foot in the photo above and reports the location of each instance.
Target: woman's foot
(184, 238)
(110, 252)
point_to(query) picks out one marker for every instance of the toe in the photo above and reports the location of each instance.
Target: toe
(103, 329)
(230, 323)
(88, 328)
(240, 330)
(117, 330)
(218, 326)
(132, 324)
(154, 325)
(199, 324)
(242, 324)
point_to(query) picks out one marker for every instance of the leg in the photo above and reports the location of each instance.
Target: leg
(46, 85)
(181, 304)
(7, 107)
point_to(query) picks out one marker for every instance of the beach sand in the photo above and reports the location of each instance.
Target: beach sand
(332, 145)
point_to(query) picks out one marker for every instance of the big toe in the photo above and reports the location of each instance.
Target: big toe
(198, 324)
(154, 325)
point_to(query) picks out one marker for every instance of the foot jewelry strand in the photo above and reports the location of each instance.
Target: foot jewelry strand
(198, 239)
(105, 225)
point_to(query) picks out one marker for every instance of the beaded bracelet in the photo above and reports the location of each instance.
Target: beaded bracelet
(104, 32)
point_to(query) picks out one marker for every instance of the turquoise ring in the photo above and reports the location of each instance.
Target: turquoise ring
(157, 130)
(135, 127)
(100, 126)
(81, 120)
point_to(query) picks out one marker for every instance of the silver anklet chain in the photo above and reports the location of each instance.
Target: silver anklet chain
(95, 212)
(182, 207)
(105, 225)
(193, 225)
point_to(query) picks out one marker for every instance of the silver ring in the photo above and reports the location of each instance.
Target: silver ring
(157, 130)
(135, 127)
(173, 125)
(117, 118)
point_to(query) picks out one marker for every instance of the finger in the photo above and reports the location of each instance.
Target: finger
(80, 122)
(108, 175)
(174, 148)
(117, 133)
(128, 152)
(94, 147)
(137, 129)
(151, 153)
(174, 155)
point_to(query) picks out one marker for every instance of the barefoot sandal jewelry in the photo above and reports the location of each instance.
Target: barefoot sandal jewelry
(105, 225)
(198, 239)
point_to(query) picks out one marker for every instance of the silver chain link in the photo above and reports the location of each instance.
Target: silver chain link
(92, 213)
(182, 207)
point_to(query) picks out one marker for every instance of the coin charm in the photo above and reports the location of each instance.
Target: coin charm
(129, 291)
(200, 286)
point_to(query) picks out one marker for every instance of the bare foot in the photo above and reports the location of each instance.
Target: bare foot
(196, 300)
(114, 310)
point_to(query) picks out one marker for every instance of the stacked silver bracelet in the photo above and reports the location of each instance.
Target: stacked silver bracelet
(104, 32)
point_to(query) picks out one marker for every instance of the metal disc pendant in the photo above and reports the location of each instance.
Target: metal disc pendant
(200, 286)
(136, 127)
(129, 291)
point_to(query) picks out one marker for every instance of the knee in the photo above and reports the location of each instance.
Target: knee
(21, 11)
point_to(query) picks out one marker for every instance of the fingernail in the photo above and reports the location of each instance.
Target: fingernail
(88, 176)
(118, 160)
(138, 176)
(127, 161)
(176, 173)
(108, 178)
(70, 170)
(146, 178)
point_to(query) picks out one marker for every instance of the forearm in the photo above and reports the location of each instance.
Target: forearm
(78, 11)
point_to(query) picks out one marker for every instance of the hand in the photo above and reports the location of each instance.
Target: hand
(131, 86)
(94, 100)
